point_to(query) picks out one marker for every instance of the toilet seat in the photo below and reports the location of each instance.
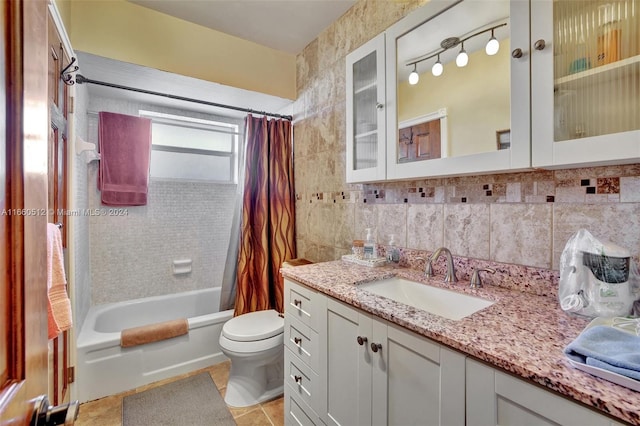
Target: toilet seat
(253, 332)
(254, 326)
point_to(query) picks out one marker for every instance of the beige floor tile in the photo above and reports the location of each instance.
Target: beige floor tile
(106, 411)
(220, 374)
(255, 417)
(275, 411)
(241, 411)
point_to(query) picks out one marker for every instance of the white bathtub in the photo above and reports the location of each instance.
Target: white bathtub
(105, 368)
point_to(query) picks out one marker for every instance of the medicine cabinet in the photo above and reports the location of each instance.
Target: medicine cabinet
(450, 124)
(585, 82)
(563, 89)
(365, 156)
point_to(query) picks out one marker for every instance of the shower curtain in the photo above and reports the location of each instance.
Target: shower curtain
(267, 235)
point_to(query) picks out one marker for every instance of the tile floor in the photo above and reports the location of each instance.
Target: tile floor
(108, 411)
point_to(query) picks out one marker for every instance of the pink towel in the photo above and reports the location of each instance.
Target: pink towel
(125, 152)
(59, 307)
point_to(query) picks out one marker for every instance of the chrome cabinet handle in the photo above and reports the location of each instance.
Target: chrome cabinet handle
(516, 53)
(298, 379)
(361, 340)
(376, 347)
(539, 45)
(297, 340)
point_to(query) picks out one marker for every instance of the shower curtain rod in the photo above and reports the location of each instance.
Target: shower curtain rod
(80, 79)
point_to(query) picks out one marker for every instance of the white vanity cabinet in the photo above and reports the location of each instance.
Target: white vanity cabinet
(585, 72)
(334, 376)
(379, 374)
(366, 109)
(497, 398)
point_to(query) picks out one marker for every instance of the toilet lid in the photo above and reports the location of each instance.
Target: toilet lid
(253, 326)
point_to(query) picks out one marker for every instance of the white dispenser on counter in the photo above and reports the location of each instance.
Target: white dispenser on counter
(597, 279)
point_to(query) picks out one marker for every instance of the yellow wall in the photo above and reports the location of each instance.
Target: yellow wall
(131, 33)
(475, 110)
(64, 8)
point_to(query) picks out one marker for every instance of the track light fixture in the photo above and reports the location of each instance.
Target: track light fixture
(492, 47)
(437, 68)
(414, 77)
(462, 59)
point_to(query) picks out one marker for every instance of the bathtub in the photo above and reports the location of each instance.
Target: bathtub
(105, 368)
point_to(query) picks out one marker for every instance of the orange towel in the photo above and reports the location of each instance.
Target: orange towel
(153, 332)
(59, 306)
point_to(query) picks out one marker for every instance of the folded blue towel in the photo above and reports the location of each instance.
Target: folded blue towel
(607, 348)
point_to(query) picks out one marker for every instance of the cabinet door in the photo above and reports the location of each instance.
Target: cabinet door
(585, 65)
(415, 381)
(485, 98)
(365, 156)
(419, 142)
(496, 398)
(348, 370)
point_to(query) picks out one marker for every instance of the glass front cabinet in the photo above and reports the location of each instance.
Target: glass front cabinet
(365, 82)
(585, 64)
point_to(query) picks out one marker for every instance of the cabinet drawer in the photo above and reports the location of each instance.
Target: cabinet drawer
(302, 304)
(302, 380)
(297, 412)
(302, 341)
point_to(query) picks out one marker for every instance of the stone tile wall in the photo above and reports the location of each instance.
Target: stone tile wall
(518, 218)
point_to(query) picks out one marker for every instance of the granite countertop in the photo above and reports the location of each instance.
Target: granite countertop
(521, 333)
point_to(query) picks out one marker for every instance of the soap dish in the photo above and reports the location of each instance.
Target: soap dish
(379, 261)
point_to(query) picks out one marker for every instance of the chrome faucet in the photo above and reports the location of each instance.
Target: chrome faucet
(450, 277)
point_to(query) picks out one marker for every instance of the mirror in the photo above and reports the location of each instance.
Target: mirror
(465, 110)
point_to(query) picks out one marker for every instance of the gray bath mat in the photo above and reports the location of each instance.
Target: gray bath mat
(194, 401)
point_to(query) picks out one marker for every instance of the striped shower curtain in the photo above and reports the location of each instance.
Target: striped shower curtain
(267, 235)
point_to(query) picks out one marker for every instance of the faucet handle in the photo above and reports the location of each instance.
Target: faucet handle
(428, 269)
(476, 282)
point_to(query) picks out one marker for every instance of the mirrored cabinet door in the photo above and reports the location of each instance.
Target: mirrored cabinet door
(585, 82)
(458, 83)
(365, 156)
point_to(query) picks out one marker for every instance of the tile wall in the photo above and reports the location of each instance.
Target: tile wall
(131, 255)
(517, 218)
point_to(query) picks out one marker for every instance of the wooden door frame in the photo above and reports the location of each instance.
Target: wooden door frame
(26, 174)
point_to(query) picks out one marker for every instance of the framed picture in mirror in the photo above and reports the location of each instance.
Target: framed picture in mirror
(503, 138)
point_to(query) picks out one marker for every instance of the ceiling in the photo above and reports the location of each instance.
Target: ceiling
(126, 74)
(285, 25)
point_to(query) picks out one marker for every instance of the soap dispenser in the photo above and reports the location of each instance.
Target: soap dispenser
(393, 252)
(370, 251)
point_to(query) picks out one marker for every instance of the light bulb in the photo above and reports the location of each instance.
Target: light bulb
(414, 77)
(437, 68)
(492, 47)
(462, 59)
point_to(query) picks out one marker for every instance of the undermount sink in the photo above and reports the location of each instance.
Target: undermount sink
(438, 301)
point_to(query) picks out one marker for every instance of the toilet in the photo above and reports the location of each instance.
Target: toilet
(255, 344)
